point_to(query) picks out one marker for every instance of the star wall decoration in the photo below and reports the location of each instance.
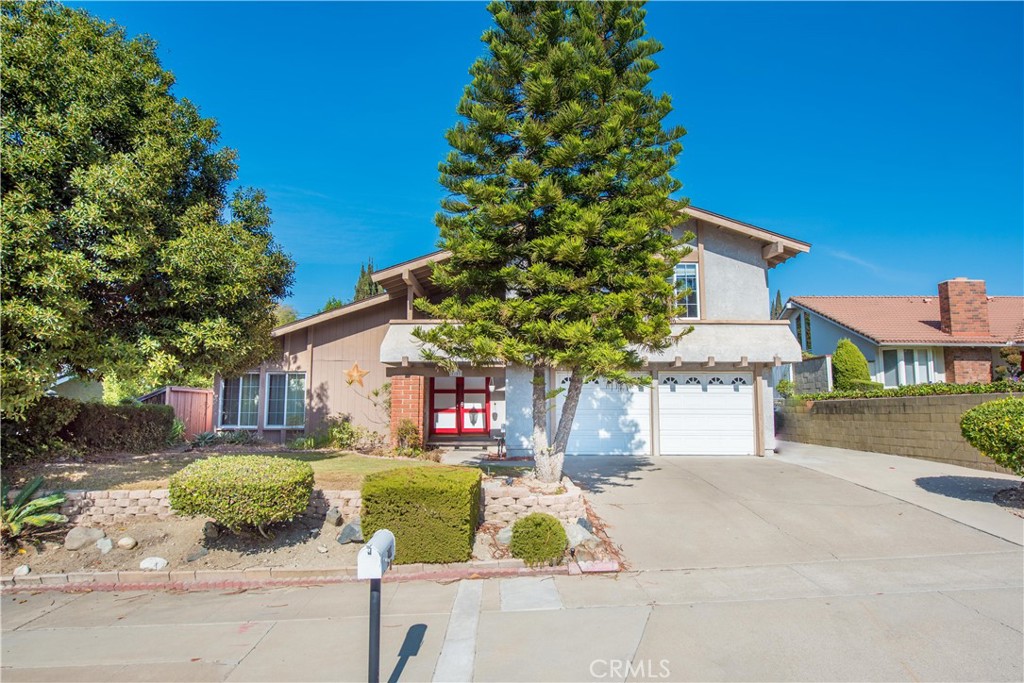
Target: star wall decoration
(355, 375)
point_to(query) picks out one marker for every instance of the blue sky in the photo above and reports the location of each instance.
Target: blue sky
(888, 135)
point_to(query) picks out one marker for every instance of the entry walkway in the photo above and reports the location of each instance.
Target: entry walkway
(742, 569)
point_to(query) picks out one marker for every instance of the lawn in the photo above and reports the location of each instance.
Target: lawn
(331, 469)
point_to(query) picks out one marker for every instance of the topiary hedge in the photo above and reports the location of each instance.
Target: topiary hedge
(996, 428)
(240, 491)
(539, 539)
(433, 511)
(848, 366)
(940, 389)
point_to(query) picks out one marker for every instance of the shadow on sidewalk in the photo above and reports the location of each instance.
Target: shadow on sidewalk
(981, 489)
(410, 648)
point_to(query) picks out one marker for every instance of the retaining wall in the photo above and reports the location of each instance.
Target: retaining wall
(926, 427)
(500, 503)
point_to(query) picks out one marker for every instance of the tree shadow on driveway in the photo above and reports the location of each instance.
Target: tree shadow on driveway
(981, 489)
(597, 473)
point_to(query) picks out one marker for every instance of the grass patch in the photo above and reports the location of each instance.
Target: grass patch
(331, 469)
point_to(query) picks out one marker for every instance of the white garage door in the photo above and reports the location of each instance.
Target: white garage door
(611, 419)
(706, 413)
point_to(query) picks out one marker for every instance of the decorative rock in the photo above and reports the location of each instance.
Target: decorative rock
(577, 535)
(22, 570)
(585, 523)
(196, 553)
(211, 530)
(105, 545)
(351, 532)
(127, 542)
(504, 536)
(153, 563)
(81, 536)
(321, 549)
(334, 517)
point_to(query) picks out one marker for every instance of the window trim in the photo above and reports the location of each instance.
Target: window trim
(220, 403)
(901, 368)
(266, 403)
(696, 291)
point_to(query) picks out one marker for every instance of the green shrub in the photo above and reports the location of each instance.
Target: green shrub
(784, 387)
(408, 440)
(433, 511)
(131, 428)
(240, 491)
(996, 428)
(538, 539)
(848, 366)
(24, 514)
(36, 435)
(1002, 387)
(865, 385)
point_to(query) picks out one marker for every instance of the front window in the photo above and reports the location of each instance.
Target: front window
(901, 367)
(239, 400)
(286, 399)
(685, 281)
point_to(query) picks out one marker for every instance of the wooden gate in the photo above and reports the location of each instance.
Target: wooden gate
(194, 407)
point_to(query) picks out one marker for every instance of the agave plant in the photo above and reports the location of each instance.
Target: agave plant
(24, 512)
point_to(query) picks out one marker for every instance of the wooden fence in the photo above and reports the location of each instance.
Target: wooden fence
(192, 406)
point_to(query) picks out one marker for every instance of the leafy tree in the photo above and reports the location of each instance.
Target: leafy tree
(777, 306)
(1011, 369)
(284, 314)
(559, 205)
(331, 304)
(849, 366)
(122, 248)
(365, 286)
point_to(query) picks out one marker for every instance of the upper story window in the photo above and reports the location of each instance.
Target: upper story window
(286, 399)
(684, 279)
(239, 401)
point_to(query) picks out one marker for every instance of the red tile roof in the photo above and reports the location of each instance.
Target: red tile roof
(914, 319)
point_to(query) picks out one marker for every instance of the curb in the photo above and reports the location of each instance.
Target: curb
(273, 577)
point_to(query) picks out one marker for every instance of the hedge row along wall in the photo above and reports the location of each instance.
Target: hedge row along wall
(926, 427)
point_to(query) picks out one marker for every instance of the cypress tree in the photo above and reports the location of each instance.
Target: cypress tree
(559, 207)
(365, 286)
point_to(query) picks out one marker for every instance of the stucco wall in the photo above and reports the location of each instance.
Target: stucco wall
(518, 410)
(926, 427)
(735, 276)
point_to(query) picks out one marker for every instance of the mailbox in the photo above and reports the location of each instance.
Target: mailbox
(376, 556)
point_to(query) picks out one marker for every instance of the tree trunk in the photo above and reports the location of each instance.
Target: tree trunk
(572, 400)
(545, 467)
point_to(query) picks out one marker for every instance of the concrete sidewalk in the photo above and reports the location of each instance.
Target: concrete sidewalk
(743, 569)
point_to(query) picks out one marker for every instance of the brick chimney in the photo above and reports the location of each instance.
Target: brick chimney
(963, 307)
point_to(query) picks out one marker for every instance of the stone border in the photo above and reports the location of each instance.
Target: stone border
(503, 504)
(270, 577)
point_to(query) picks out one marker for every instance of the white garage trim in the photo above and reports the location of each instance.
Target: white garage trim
(706, 413)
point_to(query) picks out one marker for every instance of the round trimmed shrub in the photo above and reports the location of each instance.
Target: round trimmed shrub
(996, 428)
(538, 539)
(849, 366)
(240, 491)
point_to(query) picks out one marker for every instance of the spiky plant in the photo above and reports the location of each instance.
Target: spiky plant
(23, 515)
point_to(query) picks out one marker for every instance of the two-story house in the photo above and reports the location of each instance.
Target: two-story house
(708, 393)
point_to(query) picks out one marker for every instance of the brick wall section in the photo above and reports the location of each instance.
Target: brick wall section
(968, 365)
(963, 308)
(503, 504)
(408, 402)
(926, 427)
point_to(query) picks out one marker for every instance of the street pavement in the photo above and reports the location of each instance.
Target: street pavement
(813, 565)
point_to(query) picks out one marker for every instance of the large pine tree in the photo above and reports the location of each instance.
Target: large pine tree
(559, 206)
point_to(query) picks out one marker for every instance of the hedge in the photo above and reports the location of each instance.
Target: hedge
(243, 490)
(433, 511)
(55, 425)
(940, 389)
(849, 366)
(132, 428)
(996, 428)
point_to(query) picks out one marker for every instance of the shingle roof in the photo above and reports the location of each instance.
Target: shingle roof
(914, 319)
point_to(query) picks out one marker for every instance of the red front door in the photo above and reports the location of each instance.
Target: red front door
(460, 405)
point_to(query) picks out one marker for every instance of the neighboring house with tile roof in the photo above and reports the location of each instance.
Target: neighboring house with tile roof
(952, 337)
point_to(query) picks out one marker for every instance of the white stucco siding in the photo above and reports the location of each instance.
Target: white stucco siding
(518, 410)
(735, 276)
